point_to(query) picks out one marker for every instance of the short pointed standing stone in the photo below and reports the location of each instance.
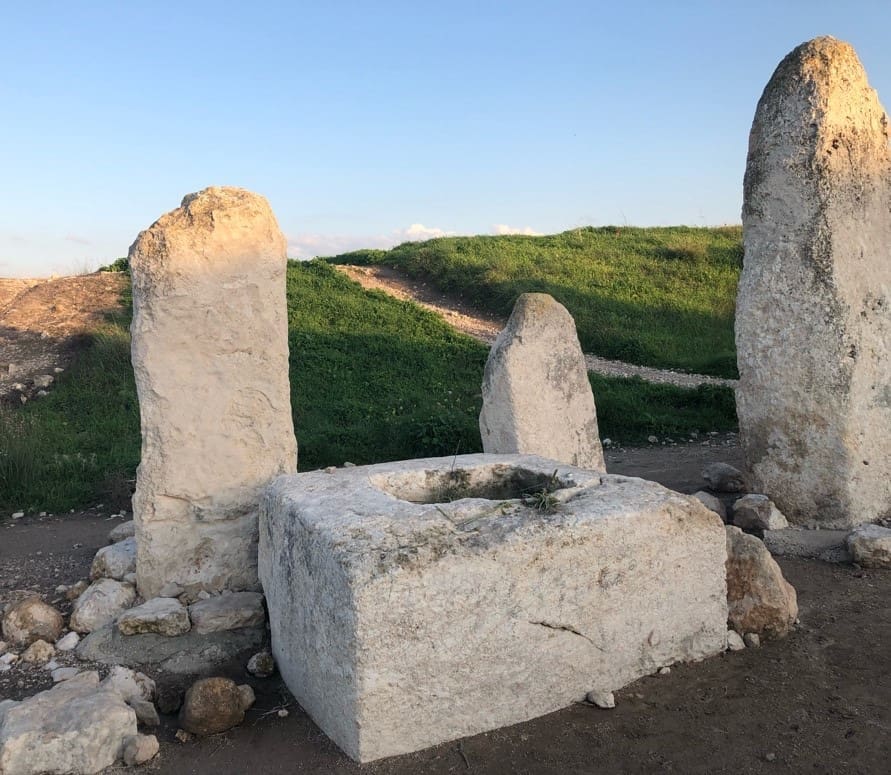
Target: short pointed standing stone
(813, 316)
(536, 395)
(210, 353)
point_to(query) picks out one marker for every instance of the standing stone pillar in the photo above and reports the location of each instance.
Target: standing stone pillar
(813, 317)
(210, 354)
(537, 399)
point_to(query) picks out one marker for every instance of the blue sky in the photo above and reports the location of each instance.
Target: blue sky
(366, 124)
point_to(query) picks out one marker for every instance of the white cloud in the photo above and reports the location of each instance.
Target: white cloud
(503, 228)
(309, 245)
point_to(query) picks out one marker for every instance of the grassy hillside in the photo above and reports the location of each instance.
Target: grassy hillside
(372, 379)
(657, 296)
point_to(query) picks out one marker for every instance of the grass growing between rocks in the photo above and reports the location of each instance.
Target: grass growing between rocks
(372, 379)
(659, 297)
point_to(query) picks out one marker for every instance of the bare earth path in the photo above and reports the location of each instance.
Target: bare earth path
(485, 327)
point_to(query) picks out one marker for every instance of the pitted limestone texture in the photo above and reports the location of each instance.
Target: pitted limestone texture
(536, 395)
(813, 313)
(416, 602)
(210, 355)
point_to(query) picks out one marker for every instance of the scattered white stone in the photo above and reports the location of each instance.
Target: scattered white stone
(207, 456)
(601, 699)
(653, 439)
(757, 512)
(664, 670)
(18, 514)
(734, 641)
(752, 640)
(537, 398)
(759, 599)
(30, 619)
(227, 612)
(870, 546)
(161, 615)
(43, 381)
(68, 642)
(711, 502)
(813, 318)
(64, 674)
(261, 665)
(73, 727)
(100, 604)
(61, 589)
(122, 532)
(282, 713)
(723, 477)
(138, 749)
(606, 442)
(115, 561)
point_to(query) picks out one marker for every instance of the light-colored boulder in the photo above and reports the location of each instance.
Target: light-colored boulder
(138, 749)
(870, 546)
(228, 612)
(813, 315)
(29, 619)
(735, 641)
(711, 502)
(163, 615)
(723, 477)
(129, 684)
(38, 653)
(114, 561)
(212, 705)
(101, 603)
(68, 642)
(757, 512)
(64, 674)
(402, 617)
(536, 395)
(74, 727)
(122, 532)
(146, 713)
(759, 599)
(210, 354)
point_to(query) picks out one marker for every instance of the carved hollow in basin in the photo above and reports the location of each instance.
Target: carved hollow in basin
(497, 483)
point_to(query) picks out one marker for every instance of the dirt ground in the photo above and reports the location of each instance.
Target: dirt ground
(817, 702)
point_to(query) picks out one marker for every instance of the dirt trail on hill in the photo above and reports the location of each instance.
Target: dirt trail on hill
(44, 322)
(486, 327)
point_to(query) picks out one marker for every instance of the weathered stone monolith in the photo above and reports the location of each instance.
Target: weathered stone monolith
(813, 319)
(210, 353)
(537, 399)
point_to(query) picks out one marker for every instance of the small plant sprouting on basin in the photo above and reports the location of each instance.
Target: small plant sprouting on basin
(544, 501)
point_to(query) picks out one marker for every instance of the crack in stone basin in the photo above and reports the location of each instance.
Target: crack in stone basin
(492, 483)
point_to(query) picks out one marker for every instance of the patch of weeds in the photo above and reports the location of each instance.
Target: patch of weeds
(544, 501)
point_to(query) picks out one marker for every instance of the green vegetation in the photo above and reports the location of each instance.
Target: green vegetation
(372, 379)
(660, 297)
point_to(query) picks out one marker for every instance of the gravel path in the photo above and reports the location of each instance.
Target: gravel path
(485, 327)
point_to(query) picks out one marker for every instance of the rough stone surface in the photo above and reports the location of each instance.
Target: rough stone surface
(102, 602)
(191, 653)
(723, 477)
(413, 603)
(752, 640)
(74, 727)
(605, 700)
(247, 696)
(114, 561)
(711, 502)
(138, 749)
(758, 512)
(261, 665)
(825, 545)
(129, 684)
(759, 599)
(212, 705)
(146, 713)
(64, 674)
(870, 546)
(30, 619)
(38, 653)
(162, 615)
(210, 354)
(121, 532)
(813, 316)
(536, 395)
(735, 641)
(68, 642)
(227, 612)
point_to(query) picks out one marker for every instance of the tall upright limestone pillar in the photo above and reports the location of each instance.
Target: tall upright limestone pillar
(210, 354)
(536, 395)
(813, 318)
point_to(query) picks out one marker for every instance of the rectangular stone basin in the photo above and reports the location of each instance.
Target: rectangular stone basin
(417, 602)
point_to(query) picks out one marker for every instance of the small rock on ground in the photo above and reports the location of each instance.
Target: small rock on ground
(212, 705)
(758, 512)
(261, 665)
(870, 546)
(601, 699)
(138, 749)
(734, 641)
(723, 477)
